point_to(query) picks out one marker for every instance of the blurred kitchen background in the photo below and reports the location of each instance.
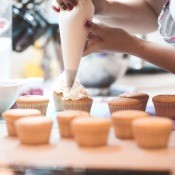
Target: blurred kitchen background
(32, 51)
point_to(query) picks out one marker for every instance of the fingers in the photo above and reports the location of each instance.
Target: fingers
(92, 45)
(94, 28)
(64, 5)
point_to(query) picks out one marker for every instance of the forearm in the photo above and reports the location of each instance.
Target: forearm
(162, 56)
(135, 16)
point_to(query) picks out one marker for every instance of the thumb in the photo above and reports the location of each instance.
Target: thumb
(93, 28)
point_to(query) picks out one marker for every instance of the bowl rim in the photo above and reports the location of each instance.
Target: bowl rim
(14, 83)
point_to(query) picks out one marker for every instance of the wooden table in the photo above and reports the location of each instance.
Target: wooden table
(118, 154)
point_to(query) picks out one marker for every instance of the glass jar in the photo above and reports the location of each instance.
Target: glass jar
(5, 38)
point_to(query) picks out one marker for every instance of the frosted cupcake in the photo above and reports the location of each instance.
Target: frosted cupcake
(118, 104)
(122, 122)
(34, 131)
(165, 105)
(76, 99)
(65, 119)
(152, 132)
(142, 97)
(91, 131)
(59, 87)
(33, 102)
(12, 115)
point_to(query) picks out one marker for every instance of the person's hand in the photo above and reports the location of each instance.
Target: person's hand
(102, 38)
(70, 4)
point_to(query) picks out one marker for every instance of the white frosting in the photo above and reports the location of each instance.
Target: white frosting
(76, 93)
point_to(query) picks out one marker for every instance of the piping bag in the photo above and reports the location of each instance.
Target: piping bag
(73, 36)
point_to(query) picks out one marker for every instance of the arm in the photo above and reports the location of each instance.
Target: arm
(135, 16)
(105, 39)
(162, 56)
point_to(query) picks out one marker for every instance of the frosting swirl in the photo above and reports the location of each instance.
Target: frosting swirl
(76, 93)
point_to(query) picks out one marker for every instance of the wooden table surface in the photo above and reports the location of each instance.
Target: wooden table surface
(118, 154)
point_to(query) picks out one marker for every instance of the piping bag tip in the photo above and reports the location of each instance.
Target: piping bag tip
(70, 78)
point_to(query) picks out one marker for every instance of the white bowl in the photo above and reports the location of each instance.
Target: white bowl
(9, 92)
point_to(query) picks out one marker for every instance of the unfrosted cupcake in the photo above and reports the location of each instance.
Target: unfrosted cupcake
(76, 99)
(152, 132)
(65, 119)
(33, 102)
(164, 105)
(142, 97)
(117, 104)
(91, 131)
(122, 121)
(34, 131)
(12, 115)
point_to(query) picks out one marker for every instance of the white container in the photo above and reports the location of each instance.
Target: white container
(5, 38)
(172, 8)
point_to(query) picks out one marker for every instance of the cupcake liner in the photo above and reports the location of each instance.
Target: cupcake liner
(113, 108)
(144, 102)
(149, 139)
(40, 106)
(57, 101)
(75, 105)
(165, 109)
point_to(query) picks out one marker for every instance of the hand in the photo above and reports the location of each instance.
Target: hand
(70, 4)
(102, 38)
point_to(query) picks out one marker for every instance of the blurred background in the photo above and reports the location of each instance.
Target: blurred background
(30, 49)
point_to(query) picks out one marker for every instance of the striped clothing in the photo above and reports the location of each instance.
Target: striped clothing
(167, 25)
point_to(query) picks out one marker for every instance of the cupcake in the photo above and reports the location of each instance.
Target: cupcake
(152, 132)
(12, 115)
(33, 102)
(142, 97)
(76, 99)
(59, 86)
(34, 131)
(122, 122)
(65, 119)
(91, 131)
(165, 105)
(117, 104)
(57, 101)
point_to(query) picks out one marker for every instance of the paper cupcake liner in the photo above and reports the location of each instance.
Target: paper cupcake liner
(113, 108)
(41, 106)
(144, 102)
(165, 109)
(148, 139)
(57, 102)
(73, 105)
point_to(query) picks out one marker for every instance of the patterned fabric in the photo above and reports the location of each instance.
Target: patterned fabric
(167, 25)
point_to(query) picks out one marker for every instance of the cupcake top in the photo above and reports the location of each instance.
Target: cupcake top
(134, 95)
(128, 114)
(34, 121)
(153, 123)
(124, 101)
(77, 92)
(89, 122)
(164, 98)
(13, 113)
(72, 113)
(32, 99)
